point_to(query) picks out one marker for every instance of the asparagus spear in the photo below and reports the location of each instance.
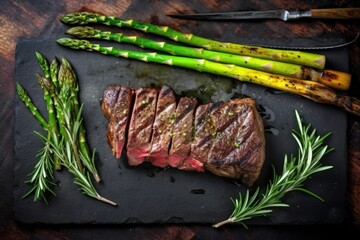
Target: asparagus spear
(24, 96)
(335, 79)
(312, 90)
(297, 57)
(88, 161)
(53, 131)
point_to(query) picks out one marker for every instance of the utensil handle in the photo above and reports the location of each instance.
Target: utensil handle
(336, 13)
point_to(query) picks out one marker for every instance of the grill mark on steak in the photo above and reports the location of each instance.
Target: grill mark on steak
(182, 132)
(183, 114)
(202, 137)
(162, 127)
(144, 105)
(226, 136)
(241, 145)
(141, 123)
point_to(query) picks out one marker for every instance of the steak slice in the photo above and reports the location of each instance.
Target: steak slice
(162, 127)
(109, 99)
(141, 124)
(182, 132)
(238, 151)
(202, 141)
(116, 105)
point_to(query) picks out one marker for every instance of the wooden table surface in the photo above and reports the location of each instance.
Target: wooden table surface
(40, 19)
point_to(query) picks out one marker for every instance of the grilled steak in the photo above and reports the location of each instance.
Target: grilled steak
(182, 133)
(237, 148)
(225, 138)
(141, 123)
(162, 127)
(116, 106)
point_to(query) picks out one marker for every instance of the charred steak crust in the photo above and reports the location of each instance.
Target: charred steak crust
(109, 99)
(226, 138)
(116, 107)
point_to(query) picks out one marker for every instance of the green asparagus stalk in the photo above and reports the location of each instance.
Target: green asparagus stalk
(24, 96)
(312, 90)
(42, 179)
(297, 57)
(331, 78)
(87, 159)
(49, 104)
(54, 69)
(66, 121)
(53, 131)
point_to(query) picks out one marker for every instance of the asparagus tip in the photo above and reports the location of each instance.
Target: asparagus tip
(74, 43)
(81, 32)
(80, 18)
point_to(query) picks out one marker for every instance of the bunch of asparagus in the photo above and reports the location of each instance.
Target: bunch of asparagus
(296, 72)
(65, 142)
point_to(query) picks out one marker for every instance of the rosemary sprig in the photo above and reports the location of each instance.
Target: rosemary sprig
(69, 154)
(295, 171)
(42, 177)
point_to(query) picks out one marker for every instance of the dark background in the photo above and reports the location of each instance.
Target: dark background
(40, 19)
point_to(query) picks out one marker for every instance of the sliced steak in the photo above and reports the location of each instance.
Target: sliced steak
(141, 124)
(109, 99)
(202, 141)
(225, 138)
(116, 105)
(182, 132)
(238, 151)
(162, 127)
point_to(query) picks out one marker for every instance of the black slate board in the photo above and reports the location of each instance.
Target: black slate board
(150, 195)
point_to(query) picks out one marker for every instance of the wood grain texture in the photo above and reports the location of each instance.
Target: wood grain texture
(40, 19)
